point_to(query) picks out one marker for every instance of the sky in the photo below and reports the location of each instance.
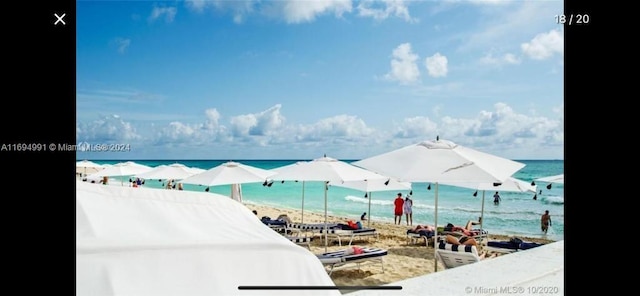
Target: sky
(287, 79)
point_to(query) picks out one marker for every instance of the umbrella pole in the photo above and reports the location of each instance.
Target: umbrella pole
(435, 236)
(325, 217)
(482, 212)
(302, 213)
(369, 220)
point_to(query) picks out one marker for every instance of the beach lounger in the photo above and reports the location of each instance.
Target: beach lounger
(350, 233)
(311, 227)
(510, 246)
(339, 258)
(301, 240)
(278, 225)
(413, 236)
(456, 255)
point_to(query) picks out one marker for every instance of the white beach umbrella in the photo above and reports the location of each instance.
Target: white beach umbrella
(441, 161)
(559, 179)
(325, 170)
(510, 184)
(553, 179)
(174, 171)
(229, 173)
(375, 185)
(128, 168)
(88, 167)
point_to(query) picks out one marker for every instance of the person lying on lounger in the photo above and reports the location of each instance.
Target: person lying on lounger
(467, 230)
(468, 241)
(423, 227)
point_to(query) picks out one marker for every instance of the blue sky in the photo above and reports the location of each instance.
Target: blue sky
(299, 79)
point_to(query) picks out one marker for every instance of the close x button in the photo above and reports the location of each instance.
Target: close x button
(59, 19)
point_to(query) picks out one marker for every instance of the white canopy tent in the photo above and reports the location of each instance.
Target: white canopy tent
(145, 241)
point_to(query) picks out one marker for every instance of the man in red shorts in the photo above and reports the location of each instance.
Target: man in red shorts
(398, 203)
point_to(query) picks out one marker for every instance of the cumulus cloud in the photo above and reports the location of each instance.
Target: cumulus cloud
(500, 130)
(416, 127)
(258, 124)
(306, 11)
(544, 45)
(169, 13)
(403, 65)
(397, 8)
(341, 126)
(436, 65)
(108, 129)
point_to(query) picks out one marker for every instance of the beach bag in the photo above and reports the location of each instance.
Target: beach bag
(359, 225)
(352, 224)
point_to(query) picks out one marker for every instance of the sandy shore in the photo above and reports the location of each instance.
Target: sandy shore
(404, 260)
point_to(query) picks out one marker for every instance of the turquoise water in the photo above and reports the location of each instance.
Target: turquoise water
(517, 214)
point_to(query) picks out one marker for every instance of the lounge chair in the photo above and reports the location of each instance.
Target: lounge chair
(413, 236)
(351, 233)
(510, 246)
(339, 258)
(277, 225)
(457, 255)
(311, 227)
(301, 240)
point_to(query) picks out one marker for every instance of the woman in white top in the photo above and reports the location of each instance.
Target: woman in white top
(408, 204)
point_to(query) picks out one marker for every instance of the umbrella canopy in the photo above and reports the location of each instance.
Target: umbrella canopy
(229, 173)
(327, 170)
(128, 168)
(88, 167)
(552, 179)
(174, 171)
(441, 161)
(375, 185)
(510, 184)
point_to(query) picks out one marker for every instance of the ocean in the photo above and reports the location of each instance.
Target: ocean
(518, 214)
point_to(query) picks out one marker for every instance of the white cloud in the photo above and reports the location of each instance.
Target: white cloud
(436, 65)
(197, 5)
(168, 13)
(403, 65)
(397, 8)
(264, 123)
(121, 44)
(108, 129)
(505, 59)
(501, 131)
(306, 11)
(345, 127)
(544, 45)
(416, 127)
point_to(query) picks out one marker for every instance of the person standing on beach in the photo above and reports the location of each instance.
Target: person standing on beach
(408, 205)
(399, 204)
(496, 198)
(545, 221)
